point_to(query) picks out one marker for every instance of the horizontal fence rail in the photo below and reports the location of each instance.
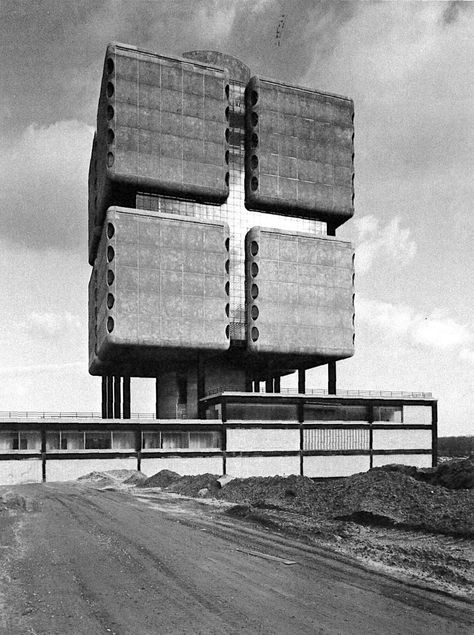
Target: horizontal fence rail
(321, 392)
(17, 414)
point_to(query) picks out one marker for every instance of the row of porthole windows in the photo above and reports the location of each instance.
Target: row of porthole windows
(253, 141)
(254, 312)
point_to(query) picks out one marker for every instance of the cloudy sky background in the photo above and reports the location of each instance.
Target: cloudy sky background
(408, 67)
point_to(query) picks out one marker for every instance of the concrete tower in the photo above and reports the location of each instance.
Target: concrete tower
(214, 198)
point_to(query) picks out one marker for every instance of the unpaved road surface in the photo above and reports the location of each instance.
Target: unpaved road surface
(91, 561)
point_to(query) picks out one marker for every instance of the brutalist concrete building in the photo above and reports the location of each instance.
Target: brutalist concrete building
(214, 200)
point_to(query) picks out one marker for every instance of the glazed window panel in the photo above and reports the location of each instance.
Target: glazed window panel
(151, 440)
(204, 440)
(174, 440)
(98, 441)
(8, 441)
(30, 441)
(53, 441)
(391, 414)
(72, 440)
(123, 440)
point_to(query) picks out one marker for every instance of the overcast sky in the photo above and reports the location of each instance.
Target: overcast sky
(409, 68)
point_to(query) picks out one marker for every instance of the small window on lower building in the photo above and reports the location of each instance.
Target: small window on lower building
(204, 440)
(72, 440)
(151, 440)
(8, 441)
(98, 441)
(123, 440)
(30, 441)
(175, 440)
(52, 441)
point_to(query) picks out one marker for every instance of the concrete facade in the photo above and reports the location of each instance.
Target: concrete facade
(300, 291)
(300, 151)
(161, 127)
(159, 290)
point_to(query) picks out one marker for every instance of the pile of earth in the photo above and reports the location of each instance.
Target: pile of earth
(184, 485)
(389, 497)
(110, 478)
(455, 474)
(11, 502)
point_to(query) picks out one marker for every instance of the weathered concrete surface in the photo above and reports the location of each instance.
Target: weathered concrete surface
(299, 291)
(91, 562)
(300, 151)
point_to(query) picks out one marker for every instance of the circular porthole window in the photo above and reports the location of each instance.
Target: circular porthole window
(254, 291)
(254, 269)
(110, 230)
(110, 253)
(110, 66)
(254, 247)
(255, 334)
(110, 324)
(110, 277)
(110, 300)
(254, 312)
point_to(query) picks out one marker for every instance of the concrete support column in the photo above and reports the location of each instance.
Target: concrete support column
(201, 387)
(256, 386)
(301, 381)
(332, 378)
(157, 401)
(126, 409)
(269, 385)
(110, 397)
(104, 397)
(117, 397)
(276, 386)
(248, 385)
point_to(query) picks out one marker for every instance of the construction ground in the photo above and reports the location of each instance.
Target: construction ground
(387, 551)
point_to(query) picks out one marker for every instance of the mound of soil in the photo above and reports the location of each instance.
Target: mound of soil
(456, 474)
(377, 497)
(137, 478)
(98, 478)
(192, 485)
(15, 502)
(162, 479)
(109, 478)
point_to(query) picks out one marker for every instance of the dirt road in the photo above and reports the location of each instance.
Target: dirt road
(91, 561)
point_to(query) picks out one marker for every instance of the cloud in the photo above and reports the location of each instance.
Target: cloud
(43, 200)
(390, 242)
(38, 368)
(48, 324)
(453, 10)
(435, 330)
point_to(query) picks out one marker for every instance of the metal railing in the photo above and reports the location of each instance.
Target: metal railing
(322, 392)
(32, 415)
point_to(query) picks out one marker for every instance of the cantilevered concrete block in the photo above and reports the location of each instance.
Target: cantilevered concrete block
(162, 128)
(159, 289)
(299, 151)
(299, 293)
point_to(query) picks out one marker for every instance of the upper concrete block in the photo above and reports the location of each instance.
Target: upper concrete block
(161, 128)
(299, 293)
(159, 288)
(299, 156)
